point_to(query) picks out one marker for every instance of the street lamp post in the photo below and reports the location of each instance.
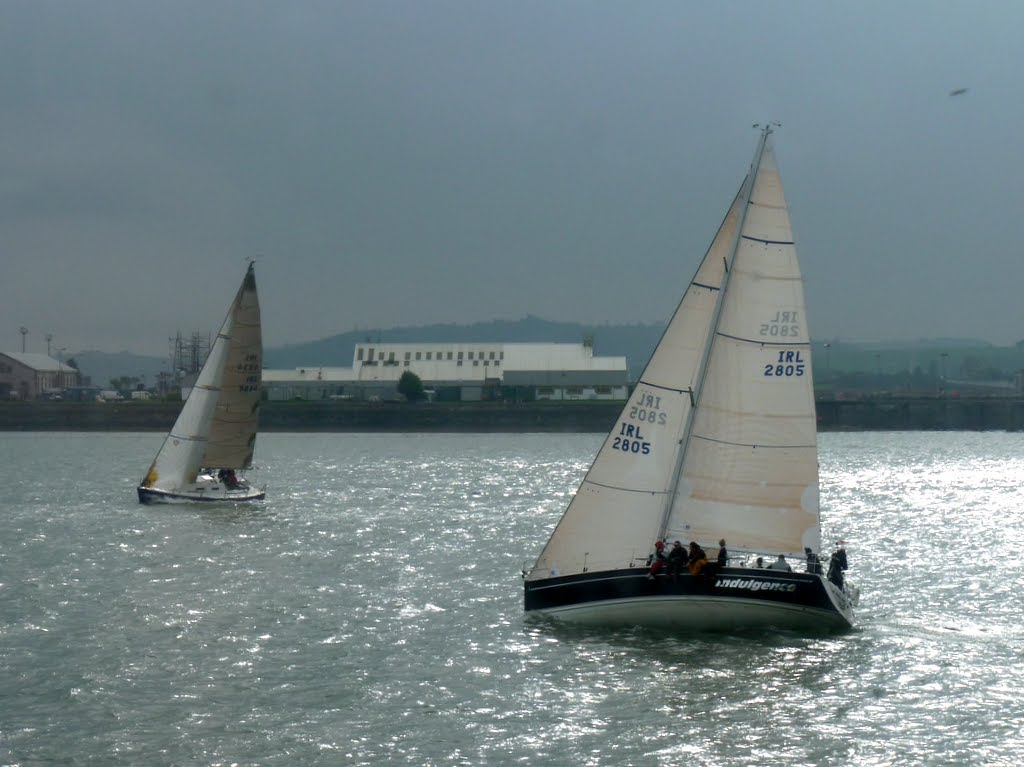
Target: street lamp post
(24, 332)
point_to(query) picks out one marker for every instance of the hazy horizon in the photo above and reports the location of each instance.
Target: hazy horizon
(410, 163)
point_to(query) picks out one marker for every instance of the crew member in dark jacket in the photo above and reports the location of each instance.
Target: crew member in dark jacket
(677, 559)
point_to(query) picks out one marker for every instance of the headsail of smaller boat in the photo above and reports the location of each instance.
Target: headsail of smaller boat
(214, 435)
(717, 442)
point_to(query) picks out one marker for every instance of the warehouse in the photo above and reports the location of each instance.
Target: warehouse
(461, 371)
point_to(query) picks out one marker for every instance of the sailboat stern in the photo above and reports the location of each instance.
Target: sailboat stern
(728, 599)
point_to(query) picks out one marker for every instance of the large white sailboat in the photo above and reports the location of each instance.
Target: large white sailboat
(215, 433)
(717, 442)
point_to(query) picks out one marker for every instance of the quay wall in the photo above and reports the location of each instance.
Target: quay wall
(879, 414)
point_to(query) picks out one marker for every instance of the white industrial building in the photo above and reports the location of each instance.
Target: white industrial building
(461, 371)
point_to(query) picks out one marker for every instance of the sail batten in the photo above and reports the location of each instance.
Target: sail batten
(768, 242)
(646, 491)
(663, 387)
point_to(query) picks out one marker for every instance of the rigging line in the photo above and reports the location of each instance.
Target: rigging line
(706, 287)
(768, 242)
(751, 445)
(759, 342)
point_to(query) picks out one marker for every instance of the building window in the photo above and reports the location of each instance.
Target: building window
(450, 355)
(359, 353)
(459, 363)
(391, 356)
(419, 355)
(476, 362)
(407, 354)
(407, 363)
(497, 362)
(486, 363)
(471, 355)
(428, 355)
(380, 356)
(501, 354)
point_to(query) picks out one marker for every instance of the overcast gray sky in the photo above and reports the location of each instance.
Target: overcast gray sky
(415, 161)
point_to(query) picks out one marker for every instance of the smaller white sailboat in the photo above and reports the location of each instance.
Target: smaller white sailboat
(717, 443)
(215, 433)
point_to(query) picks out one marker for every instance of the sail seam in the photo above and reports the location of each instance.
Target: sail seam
(768, 242)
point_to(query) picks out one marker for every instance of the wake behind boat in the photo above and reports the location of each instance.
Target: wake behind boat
(717, 443)
(215, 433)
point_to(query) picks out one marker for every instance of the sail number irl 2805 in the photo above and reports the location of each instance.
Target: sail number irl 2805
(647, 410)
(789, 363)
(630, 440)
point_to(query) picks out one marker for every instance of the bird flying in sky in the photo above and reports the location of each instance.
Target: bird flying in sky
(958, 92)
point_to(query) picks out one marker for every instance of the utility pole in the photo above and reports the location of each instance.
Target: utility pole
(49, 337)
(24, 332)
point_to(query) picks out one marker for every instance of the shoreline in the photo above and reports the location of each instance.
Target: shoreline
(868, 414)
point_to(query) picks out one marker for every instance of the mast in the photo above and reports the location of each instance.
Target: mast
(695, 393)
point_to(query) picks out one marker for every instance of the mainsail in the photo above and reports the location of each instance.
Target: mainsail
(216, 428)
(718, 439)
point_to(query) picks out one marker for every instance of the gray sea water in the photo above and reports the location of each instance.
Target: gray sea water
(370, 612)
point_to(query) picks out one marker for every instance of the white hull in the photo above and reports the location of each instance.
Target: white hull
(206, 489)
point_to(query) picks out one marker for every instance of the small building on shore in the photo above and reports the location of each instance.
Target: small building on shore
(461, 372)
(27, 376)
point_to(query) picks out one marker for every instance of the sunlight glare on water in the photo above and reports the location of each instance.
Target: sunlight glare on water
(370, 612)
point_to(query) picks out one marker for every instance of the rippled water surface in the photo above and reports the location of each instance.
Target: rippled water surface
(370, 612)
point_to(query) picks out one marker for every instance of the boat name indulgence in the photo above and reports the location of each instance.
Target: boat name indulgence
(754, 585)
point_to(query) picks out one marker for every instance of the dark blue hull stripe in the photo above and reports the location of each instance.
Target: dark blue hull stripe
(792, 590)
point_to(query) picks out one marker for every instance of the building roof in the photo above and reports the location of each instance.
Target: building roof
(40, 362)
